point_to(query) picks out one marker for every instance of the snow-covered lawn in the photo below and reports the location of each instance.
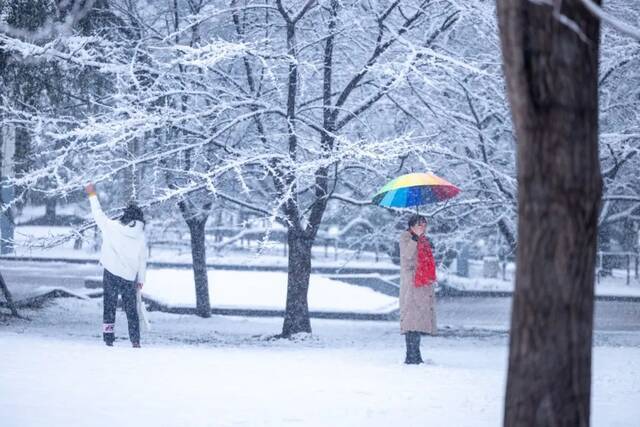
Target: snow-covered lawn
(227, 288)
(226, 371)
(608, 286)
(263, 290)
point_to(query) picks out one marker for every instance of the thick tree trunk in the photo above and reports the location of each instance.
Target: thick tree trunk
(7, 296)
(508, 235)
(552, 72)
(199, 258)
(50, 210)
(296, 318)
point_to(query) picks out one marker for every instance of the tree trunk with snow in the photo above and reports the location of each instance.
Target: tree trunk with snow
(296, 318)
(50, 210)
(196, 224)
(300, 240)
(199, 257)
(551, 66)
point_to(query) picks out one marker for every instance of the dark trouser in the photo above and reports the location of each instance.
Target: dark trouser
(114, 285)
(413, 348)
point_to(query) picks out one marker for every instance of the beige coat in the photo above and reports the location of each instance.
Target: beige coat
(417, 305)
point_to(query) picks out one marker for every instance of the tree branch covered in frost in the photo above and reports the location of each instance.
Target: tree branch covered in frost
(209, 113)
(74, 11)
(295, 112)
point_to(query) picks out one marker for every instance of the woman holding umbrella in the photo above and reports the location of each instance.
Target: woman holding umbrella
(417, 279)
(417, 265)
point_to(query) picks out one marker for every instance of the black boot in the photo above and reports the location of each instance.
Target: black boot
(413, 348)
(108, 339)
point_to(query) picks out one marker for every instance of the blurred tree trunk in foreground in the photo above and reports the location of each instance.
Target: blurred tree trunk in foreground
(551, 66)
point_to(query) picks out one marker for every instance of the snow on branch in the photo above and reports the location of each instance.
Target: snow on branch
(76, 11)
(614, 22)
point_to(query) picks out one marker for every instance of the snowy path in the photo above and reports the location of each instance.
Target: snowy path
(224, 371)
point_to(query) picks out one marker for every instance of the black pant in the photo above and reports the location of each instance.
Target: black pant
(114, 285)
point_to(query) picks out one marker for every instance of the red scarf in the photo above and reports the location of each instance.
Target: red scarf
(425, 264)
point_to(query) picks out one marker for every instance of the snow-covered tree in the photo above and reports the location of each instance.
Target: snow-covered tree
(292, 112)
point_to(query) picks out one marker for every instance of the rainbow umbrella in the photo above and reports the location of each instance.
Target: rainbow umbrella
(415, 189)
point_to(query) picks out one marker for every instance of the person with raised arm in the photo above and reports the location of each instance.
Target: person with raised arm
(124, 259)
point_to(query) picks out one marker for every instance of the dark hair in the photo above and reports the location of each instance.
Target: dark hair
(416, 219)
(132, 213)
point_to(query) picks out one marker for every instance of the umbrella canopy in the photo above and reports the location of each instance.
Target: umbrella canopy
(415, 189)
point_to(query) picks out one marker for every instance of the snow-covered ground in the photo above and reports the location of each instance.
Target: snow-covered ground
(175, 287)
(611, 286)
(227, 371)
(263, 290)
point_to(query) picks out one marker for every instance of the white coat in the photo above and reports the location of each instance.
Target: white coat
(124, 247)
